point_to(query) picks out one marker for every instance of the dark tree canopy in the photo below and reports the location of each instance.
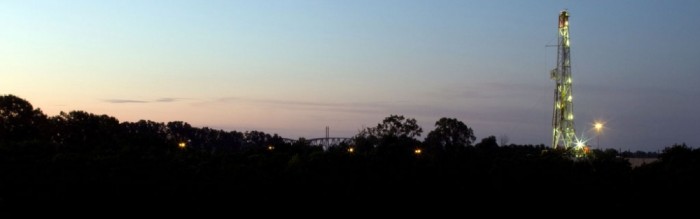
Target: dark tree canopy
(395, 126)
(78, 158)
(18, 119)
(83, 131)
(487, 143)
(450, 134)
(394, 138)
(13, 108)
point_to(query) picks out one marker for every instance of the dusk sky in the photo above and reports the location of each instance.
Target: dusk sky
(294, 67)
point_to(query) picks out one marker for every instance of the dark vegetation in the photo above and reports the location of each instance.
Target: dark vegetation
(79, 159)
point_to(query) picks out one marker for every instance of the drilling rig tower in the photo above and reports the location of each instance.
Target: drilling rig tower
(563, 133)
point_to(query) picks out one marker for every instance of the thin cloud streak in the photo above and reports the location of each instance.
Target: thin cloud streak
(124, 101)
(320, 106)
(167, 100)
(159, 100)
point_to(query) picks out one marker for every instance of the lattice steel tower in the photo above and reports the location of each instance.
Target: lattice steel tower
(563, 133)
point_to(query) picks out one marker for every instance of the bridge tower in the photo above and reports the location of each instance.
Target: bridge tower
(327, 140)
(563, 133)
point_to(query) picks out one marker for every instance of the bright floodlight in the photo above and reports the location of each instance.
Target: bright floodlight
(580, 143)
(598, 126)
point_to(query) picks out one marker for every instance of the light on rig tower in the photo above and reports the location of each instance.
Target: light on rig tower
(563, 133)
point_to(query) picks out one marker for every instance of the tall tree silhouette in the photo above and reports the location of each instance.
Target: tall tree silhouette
(19, 121)
(397, 126)
(450, 134)
(395, 136)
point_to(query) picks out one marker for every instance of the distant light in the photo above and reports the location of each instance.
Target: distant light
(270, 147)
(182, 145)
(417, 151)
(598, 126)
(351, 150)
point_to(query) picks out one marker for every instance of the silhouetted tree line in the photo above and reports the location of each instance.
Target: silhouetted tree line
(79, 158)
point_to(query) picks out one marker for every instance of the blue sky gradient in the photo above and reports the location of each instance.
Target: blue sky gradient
(294, 67)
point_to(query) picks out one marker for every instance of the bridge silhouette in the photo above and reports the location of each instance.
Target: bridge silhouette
(325, 142)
